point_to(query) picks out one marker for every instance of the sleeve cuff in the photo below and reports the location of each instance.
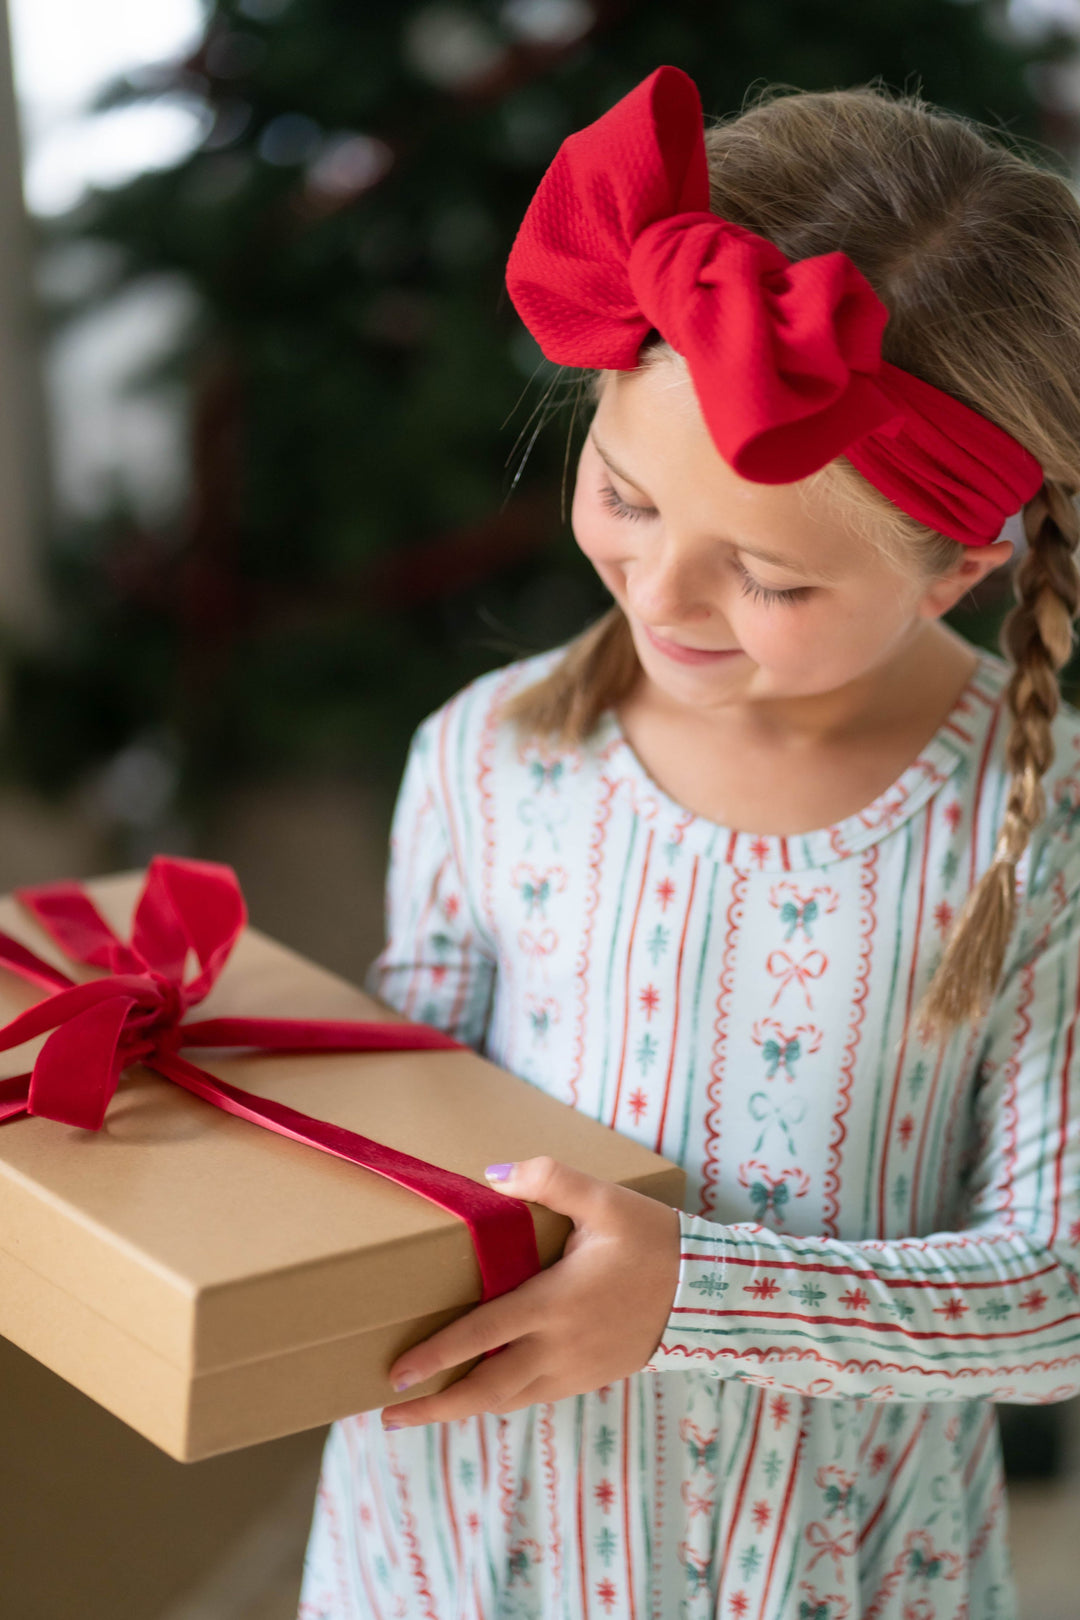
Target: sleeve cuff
(702, 1288)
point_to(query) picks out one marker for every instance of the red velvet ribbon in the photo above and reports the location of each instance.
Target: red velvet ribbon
(134, 1013)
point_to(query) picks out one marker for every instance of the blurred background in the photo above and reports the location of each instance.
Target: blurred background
(280, 470)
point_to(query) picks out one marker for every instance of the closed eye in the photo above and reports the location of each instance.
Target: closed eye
(747, 584)
(623, 508)
(761, 593)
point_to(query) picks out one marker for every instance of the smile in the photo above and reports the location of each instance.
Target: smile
(688, 655)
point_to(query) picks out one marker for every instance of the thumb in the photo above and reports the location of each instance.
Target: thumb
(547, 1181)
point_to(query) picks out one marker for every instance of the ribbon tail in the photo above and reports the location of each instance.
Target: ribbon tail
(28, 966)
(13, 1096)
(316, 1035)
(77, 1069)
(70, 917)
(501, 1227)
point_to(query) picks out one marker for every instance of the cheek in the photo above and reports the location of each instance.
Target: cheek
(598, 536)
(817, 645)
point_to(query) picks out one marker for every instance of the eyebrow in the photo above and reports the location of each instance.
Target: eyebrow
(774, 557)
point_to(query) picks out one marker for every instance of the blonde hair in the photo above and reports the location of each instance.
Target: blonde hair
(975, 250)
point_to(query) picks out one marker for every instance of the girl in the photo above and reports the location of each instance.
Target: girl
(774, 872)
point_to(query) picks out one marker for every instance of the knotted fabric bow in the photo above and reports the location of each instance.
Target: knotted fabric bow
(133, 1015)
(784, 356)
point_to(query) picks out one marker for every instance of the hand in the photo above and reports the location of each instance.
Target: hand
(596, 1315)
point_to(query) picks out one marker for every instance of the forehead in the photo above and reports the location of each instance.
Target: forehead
(650, 425)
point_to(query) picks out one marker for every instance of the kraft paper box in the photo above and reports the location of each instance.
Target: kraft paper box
(214, 1284)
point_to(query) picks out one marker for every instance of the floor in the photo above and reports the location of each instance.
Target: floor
(1044, 1535)
(260, 1579)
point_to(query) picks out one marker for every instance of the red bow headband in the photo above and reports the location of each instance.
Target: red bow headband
(784, 355)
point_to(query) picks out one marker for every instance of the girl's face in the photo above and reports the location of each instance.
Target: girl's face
(763, 576)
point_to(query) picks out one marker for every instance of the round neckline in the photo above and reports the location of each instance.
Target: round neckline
(956, 738)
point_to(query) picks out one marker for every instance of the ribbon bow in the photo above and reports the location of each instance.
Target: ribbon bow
(134, 1015)
(780, 965)
(841, 1546)
(785, 356)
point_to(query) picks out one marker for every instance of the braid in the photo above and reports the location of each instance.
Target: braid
(1037, 637)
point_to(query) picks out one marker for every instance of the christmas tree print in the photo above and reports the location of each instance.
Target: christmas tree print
(646, 1052)
(749, 1560)
(709, 1286)
(898, 1308)
(604, 1444)
(995, 1310)
(808, 1294)
(606, 1542)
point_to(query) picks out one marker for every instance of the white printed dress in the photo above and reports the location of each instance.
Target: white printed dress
(880, 1238)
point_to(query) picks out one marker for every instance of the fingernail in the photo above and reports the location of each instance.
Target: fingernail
(392, 1425)
(404, 1379)
(498, 1172)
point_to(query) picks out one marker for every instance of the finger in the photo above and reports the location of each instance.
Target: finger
(486, 1327)
(558, 1186)
(494, 1382)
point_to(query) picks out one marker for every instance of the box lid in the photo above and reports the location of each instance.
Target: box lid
(214, 1241)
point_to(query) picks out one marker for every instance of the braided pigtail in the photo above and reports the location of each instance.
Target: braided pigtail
(1037, 638)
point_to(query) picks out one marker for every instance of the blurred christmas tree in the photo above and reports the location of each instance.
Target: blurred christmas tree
(360, 537)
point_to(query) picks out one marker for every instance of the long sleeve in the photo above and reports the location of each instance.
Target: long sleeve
(990, 1310)
(436, 964)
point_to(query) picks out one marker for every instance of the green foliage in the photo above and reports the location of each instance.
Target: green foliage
(361, 538)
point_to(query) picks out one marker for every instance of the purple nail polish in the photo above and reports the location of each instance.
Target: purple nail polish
(498, 1172)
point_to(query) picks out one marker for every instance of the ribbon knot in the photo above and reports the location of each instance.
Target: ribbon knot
(152, 1022)
(135, 1012)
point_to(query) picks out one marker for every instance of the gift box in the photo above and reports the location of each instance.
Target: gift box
(214, 1283)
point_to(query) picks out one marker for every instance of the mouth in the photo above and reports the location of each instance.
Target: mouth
(688, 655)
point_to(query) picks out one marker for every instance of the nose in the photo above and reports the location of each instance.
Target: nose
(668, 587)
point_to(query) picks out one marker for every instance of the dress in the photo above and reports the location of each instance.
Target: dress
(880, 1238)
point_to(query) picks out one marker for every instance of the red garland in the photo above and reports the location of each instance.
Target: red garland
(133, 1015)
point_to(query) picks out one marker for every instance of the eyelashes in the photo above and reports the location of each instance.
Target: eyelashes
(760, 593)
(620, 507)
(747, 584)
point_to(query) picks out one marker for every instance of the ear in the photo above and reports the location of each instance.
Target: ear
(947, 589)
